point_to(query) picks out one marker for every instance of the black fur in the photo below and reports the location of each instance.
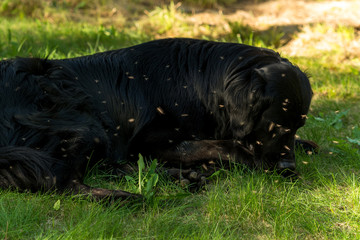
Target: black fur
(180, 100)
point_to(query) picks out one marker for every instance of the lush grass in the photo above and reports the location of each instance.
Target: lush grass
(26, 37)
(324, 203)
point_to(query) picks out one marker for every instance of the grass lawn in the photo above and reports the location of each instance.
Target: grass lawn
(324, 203)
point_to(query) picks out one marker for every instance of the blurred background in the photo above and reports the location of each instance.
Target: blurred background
(326, 30)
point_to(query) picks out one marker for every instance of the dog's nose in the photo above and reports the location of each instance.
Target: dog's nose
(286, 168)
(286, 165)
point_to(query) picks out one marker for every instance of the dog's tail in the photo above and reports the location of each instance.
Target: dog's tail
(24, 168)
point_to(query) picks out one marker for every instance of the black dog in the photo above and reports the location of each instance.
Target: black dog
(182, 101)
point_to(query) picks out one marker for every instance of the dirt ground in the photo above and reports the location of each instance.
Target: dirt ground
(314, 26)
(288, 12)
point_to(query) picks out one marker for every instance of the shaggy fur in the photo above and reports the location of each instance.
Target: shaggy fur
(183, 101)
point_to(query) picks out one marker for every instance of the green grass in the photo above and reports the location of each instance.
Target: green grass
(324, 203)
(26, 37)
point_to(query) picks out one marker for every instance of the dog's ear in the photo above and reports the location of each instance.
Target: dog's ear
(259, 81)
(260, 72)
(249, 103)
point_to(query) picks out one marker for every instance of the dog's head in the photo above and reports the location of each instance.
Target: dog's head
(277, 102)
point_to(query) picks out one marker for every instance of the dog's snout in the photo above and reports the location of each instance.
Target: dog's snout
(286, 164)
(286, 168)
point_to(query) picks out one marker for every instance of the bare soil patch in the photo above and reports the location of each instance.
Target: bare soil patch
(314, 27)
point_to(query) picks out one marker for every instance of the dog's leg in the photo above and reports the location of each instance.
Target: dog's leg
(192, 153)
(78, 188)
(191, 162)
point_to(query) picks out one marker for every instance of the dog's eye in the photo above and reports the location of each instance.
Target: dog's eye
(277, 129)
(282, 129)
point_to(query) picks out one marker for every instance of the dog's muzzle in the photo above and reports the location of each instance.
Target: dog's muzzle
(286, 165)
(286, 168)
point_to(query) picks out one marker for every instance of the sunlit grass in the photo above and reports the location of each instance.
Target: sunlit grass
(44, 39)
